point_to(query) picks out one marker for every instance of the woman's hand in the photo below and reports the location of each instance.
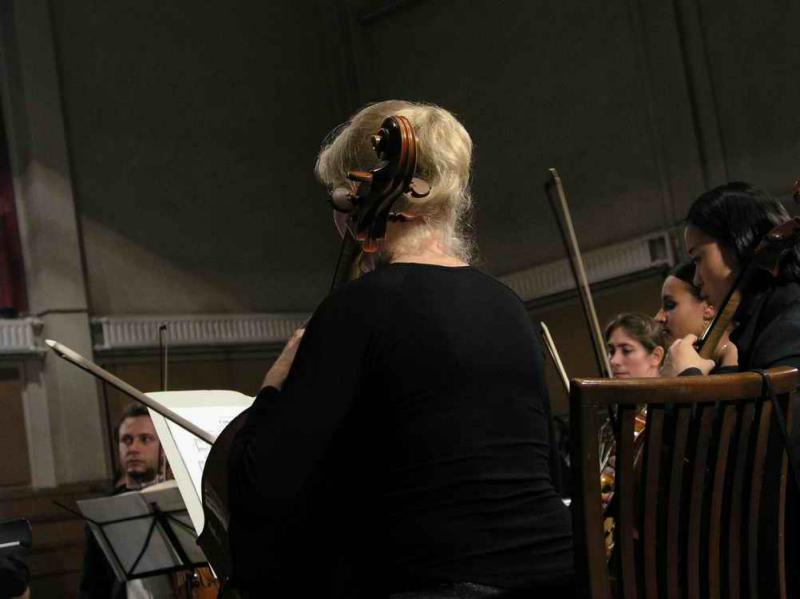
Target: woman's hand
(277, 374)
(683, 355)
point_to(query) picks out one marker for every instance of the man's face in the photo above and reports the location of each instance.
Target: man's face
(138, 449)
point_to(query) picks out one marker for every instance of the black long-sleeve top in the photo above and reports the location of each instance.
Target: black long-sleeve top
(408, 446)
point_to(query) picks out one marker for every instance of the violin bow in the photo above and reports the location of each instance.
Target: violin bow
(72, 356)
(551, 349)
(559, 203)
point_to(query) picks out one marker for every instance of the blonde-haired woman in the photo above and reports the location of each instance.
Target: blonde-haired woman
(444, 152)
(402, 447)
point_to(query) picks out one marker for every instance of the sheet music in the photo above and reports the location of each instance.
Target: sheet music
(210, 410)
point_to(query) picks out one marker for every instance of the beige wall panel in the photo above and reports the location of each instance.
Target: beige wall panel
(15, 470)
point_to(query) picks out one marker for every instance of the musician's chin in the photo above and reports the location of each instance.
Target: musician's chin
(135, 467)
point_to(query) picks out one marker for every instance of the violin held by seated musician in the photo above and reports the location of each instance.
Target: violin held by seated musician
(401, 446)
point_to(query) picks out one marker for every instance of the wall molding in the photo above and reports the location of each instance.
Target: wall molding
(24, 336)
(131, 333)
(603, 264)
(21, 336)
(199, 330)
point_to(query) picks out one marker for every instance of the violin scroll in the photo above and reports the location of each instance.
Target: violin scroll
(369, 203)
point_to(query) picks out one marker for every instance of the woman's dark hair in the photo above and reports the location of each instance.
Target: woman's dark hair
(643, 328)
(685, 272)
(739, 215)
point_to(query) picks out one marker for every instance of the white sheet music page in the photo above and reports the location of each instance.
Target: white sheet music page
(210, 410)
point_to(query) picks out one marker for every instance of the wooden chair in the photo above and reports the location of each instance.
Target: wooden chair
(703, 513)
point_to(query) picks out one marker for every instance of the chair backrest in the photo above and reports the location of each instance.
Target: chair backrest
(702, 513)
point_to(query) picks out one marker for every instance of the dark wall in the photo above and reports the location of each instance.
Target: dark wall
(193, 127)
(640, 105)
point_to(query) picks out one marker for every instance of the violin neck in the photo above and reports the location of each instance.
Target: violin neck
(348, 257)
(707, 344)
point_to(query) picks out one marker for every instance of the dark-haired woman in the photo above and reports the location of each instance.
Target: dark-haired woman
(684, 311)
(723, 228)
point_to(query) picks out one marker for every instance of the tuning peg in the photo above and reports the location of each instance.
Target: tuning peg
(419, 188)
(369, 246)
(360, 176)
(343, 200)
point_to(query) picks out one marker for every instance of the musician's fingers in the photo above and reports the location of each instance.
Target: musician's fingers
(707, 366)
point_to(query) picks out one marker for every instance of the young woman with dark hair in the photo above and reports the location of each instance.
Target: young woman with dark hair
(684, 310)
(723, 228)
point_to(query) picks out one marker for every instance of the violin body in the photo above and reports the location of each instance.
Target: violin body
(199, 584)
(214, 538)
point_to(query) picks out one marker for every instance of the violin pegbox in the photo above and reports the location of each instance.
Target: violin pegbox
(368, 203)
(776, 243)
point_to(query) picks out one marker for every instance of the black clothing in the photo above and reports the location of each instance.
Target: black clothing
(470, 590)
(408, 447)
(768, 329)
(98, 580)
(768, 334)
(14, 576)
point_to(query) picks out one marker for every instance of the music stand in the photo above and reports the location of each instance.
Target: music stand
(15, 535)
(144, 533)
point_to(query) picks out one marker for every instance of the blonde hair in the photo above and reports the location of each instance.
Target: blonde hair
(444, 156)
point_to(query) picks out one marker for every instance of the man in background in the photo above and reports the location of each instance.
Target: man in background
(140, 454)
(141, 461)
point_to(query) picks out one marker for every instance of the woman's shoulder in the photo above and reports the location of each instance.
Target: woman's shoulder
(392, 285)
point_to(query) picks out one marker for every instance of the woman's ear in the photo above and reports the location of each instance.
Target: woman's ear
(709, 311)
(657, 356)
